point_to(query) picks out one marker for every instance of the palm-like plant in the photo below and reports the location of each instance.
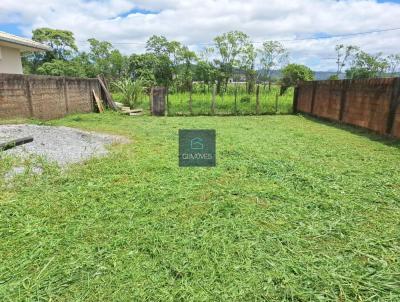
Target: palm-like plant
(132, 91)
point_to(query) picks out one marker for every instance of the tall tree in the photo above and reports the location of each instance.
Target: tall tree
(393, 62)
(366, 66)
(106, 60)
(229, 46)
(272, 56)
(344, 54)
(247, 64)
(293, 73)
(61, 41)
(186, 70)
(165, 55)
(205, 70)
(141, 67)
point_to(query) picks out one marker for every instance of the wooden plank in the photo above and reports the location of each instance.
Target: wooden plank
(17, 142)
(109, 99)
(98, 102)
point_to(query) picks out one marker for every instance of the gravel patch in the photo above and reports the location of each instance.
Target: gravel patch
(61, 145)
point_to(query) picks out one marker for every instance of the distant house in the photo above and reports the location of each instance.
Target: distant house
(10, 52)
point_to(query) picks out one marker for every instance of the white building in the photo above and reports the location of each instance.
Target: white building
(11, 47)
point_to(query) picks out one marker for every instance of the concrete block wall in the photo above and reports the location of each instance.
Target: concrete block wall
(373, 103)
(45, 97)
(396, 126)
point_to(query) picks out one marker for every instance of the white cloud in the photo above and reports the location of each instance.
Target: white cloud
(196, 22)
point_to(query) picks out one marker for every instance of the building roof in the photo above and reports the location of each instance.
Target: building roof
(23, 44)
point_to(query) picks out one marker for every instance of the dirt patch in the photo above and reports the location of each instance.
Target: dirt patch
(62, 145)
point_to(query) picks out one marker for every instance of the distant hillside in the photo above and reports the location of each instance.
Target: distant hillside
(319, 75)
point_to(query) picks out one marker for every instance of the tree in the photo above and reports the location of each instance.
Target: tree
(393, 62)
(141, 67)
(165, 55)
(272, 56)
(367, 66)
(71, 68)
(106, 60)
(344, 54)
(294, 73)
(186, 71)
(334, 77)
(248, 59)
(229, 46)
(61, 41)
(204, 69)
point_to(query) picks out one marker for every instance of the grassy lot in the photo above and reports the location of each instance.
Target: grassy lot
(225, 103)
(270, 102)
(295, 211)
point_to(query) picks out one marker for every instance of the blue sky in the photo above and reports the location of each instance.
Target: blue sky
(128, 24)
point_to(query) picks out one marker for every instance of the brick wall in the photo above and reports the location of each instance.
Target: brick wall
(373, 104)
(45, 97)
(396, 126)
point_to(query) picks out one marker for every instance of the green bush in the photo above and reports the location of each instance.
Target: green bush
(130, 92)
(294, 73)
(245, 99)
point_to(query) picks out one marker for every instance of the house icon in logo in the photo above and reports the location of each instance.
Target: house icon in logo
(197, 144)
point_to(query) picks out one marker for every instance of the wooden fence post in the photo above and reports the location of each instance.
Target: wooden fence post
(236, 91)
(394, 104)
(190, 100)
(166, 101)
(158, 101)
(258, 100)
(214, 92)
(276, 102)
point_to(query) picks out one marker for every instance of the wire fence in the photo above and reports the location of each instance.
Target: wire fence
(235, 100)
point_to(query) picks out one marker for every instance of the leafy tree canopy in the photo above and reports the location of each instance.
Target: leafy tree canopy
(294, 73)
(367, 66)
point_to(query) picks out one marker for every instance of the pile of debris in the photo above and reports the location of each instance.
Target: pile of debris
(110, 103)
(128, 111)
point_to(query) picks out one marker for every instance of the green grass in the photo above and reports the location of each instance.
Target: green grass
(296, 210)
(270, 103)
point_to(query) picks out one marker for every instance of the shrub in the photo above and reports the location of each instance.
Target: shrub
(245, 99)
(334, 77)
(130, 91)
(293, 73)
